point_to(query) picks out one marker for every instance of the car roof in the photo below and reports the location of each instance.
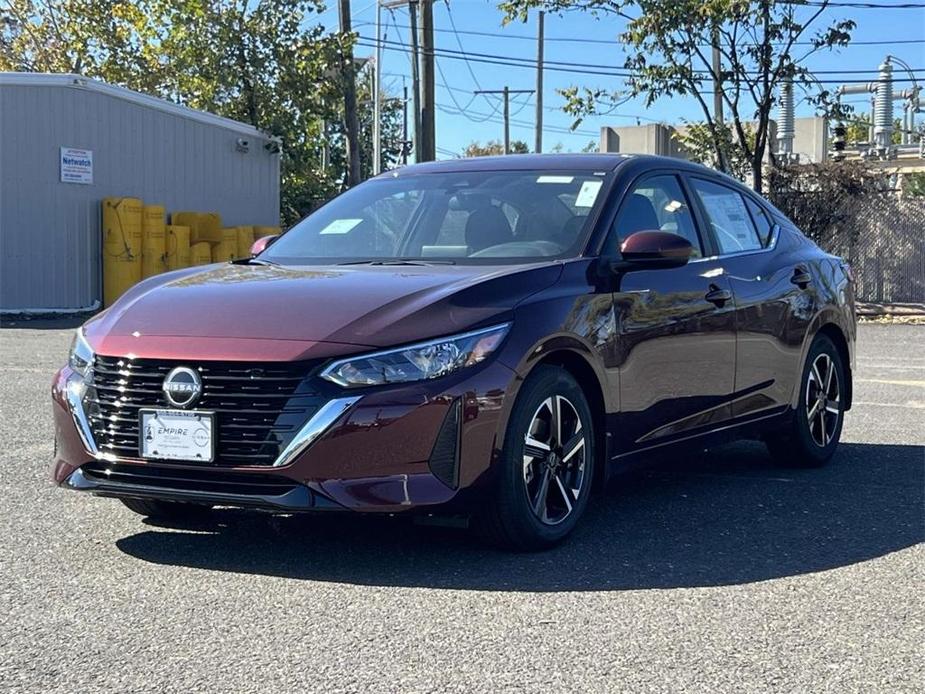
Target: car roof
(591, 162)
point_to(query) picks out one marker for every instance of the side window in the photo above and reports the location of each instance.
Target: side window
(762, 223)
(657, 203)
(728, 217)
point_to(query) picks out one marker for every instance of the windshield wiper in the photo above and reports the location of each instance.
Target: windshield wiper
(252, 261)
(399, 261)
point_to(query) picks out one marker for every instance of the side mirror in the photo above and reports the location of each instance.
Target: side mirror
(260, 245)
(651, 250)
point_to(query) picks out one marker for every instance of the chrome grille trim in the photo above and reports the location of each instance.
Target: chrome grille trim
(259, 408)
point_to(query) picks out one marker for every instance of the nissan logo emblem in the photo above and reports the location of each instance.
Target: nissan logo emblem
(182, 387)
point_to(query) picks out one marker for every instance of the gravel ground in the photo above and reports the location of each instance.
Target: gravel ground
(710, 572)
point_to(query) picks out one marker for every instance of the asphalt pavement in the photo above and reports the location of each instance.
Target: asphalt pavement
(709, 572)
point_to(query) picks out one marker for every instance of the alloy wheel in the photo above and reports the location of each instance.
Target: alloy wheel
(554, 460)
(823, 406)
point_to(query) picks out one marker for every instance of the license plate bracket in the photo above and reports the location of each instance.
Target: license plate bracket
(182, 435)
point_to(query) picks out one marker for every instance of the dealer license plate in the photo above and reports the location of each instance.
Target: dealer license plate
(177, 435)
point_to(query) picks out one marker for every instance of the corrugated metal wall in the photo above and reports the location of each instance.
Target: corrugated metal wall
(50, 231)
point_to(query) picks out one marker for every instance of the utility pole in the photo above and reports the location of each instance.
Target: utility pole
(405, 142)
(506, 95)
(718, 91)
(350, 101)
(377, 95)
(428, 126)
(415, 79)
(717, 79)
(538, 138)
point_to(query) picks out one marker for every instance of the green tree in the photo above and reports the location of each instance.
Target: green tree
(493, 148)
(699, 144)
(668, 46)
(256, 61)
(857, 129)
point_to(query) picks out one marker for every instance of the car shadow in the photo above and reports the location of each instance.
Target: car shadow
(726, 516)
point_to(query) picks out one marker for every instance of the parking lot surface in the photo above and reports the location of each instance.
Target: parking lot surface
(712, 571)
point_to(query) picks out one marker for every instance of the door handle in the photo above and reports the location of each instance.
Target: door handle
(801, 278)
(718, 296)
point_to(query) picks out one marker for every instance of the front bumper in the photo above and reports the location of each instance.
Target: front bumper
(374, 454)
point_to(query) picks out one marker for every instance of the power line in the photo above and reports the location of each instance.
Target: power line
(525, 124)
(855, 5)
(576, 68)
(464, 110)
(614, 42)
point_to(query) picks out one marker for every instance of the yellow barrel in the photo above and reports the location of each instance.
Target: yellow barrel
(153, 261)
(177, 247)
(226, 249)
(119, 275)
(200, 253)
(208, 228)
(122, 227)
(245, 241)
(187, 219)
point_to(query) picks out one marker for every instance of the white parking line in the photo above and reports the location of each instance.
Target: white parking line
(893, 382)
(911, 404)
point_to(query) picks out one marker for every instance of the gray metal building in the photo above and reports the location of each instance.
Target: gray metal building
(67, 142)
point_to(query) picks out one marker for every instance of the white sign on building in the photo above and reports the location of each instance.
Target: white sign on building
(76, 165)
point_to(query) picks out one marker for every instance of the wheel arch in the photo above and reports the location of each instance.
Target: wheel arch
(837, 336)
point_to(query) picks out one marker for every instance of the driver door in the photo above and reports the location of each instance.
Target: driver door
(676, 326)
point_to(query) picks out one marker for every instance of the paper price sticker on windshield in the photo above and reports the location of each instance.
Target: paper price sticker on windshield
(340, 226)
(555, 179)
(588, 193)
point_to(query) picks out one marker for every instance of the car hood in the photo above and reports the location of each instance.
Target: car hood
(365, 306)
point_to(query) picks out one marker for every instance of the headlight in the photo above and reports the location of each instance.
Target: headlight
(81, 356)
(417, 362)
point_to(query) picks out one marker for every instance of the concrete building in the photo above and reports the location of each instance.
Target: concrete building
(67, 142)
(810, 141)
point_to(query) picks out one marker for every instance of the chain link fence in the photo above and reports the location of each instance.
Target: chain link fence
(857, 213)
(888, 253)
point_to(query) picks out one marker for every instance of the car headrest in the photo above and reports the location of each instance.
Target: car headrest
(487, 226)
(638, 216)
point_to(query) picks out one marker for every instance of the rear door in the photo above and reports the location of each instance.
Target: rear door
(676, 326)
(772, 307)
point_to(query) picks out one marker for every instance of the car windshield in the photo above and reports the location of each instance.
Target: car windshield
(458, 217)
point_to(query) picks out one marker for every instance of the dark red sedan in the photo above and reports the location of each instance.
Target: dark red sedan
(491, 336)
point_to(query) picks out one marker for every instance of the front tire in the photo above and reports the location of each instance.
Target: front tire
(546, 466)
(166, 510)
(813, 435)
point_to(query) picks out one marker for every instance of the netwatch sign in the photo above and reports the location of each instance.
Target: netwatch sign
(76, 165)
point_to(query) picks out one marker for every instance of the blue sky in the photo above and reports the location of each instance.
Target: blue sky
(481, 119)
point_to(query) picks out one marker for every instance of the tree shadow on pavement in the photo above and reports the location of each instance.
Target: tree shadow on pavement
(726, 516)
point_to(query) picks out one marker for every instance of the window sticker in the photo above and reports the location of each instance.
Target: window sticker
(588, 193)
(340, 226)
(555, 179)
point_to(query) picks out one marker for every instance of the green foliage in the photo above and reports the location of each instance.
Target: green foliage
(493, 148)
(857, 129)
(699, 144)
(668, 45)
(914, 184)
(254, 61)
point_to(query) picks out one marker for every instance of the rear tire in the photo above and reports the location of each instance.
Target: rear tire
(546, 467)
(812, 436)
(166, 510)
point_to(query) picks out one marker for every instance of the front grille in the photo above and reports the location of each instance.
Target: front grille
(258, 407)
